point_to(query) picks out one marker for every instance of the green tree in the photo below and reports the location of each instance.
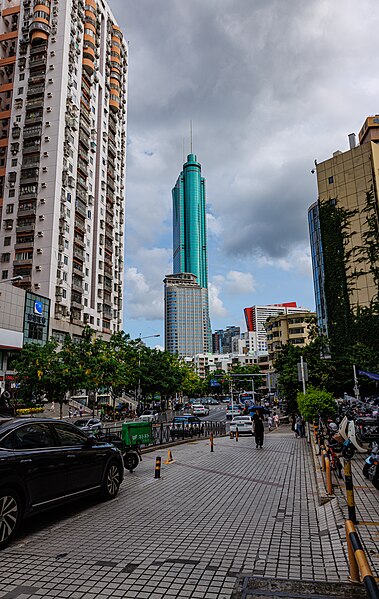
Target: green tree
(316, 402)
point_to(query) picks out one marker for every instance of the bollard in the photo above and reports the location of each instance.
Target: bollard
(323, 460)
(237, 433)
(211, 440)
(158, 467)
(328, 476)
(231, 435)
(358, 562)
(350, 492)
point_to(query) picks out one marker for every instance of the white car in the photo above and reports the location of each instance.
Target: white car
(232, 412)
(200, 410)
(244, 425)
(149, 416)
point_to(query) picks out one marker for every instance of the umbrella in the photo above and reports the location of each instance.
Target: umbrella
(255, 408)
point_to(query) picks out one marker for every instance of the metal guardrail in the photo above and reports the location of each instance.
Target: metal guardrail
(164, 433)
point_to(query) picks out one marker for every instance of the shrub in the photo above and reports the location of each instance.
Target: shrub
(316, 402)
(23, 411)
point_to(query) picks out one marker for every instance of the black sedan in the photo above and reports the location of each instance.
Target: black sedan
(45, 462)
(186, 426)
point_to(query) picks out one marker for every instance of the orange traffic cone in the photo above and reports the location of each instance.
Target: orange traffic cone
(170, 459)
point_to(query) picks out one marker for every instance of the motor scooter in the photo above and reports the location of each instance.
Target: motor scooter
(371, 466)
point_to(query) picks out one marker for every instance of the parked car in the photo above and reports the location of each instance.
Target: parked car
(149, 416)
(232, 411)
(89, 424)
(199, 410)
(244, 425)
(186, 425)
(46, 462)
(226, 400)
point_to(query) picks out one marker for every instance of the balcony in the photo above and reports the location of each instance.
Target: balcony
(29, 211)
(25, 227)
(78, 269)
(32, 132)
(77, 285)
(78, 253)
(77, 305)
(80, 225)
(24, 245)
(79, 242)
(80, 208)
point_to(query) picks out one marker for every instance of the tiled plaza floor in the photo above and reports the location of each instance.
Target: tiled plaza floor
(210, 518)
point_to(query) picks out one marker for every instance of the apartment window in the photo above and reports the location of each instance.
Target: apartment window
(35, 331)
(7, 240)
(65, 260)
(18, 118)
(58, 274)
(65, 276)
(20, 91)
(4, 274)
(66, 244)
(12, 192)
(5, 257)
(64, 293)
(331, 180)
(9, 209)
(87, 272)
(22, 76)
(14, 163)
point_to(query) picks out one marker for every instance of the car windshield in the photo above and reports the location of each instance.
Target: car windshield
(81, 423)
(242, 419)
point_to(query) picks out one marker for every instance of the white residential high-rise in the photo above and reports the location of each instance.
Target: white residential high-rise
(256, 317)
(63, 94)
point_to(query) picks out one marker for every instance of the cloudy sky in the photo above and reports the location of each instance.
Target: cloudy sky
(270, 85)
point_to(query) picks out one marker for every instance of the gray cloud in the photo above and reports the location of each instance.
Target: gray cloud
(270, 86)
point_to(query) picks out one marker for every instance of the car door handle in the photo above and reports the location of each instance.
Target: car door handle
(24, 461)
(71, 455)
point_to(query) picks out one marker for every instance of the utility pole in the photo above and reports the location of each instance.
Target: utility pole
(302, 373)
(356, 388)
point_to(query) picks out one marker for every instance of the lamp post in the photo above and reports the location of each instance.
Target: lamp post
(140, 338)
(12, 279)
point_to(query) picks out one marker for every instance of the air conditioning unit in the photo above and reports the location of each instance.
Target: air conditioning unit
(39, 251)
(41, 217)
(51, 67)
(49, 95)
(45, 154)
(47, 138)
(50, 81)
(40, 234)
(38, 268)
(44, 169)
(37, 286)
(11, 185)
(48, 124)
(53, 40)
(49, 109)
(43, 201)
(43, 185)
(52, 53)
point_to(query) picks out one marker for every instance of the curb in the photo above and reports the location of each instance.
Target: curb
(322, 495)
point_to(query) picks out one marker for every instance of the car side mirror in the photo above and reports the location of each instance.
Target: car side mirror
(91, 441)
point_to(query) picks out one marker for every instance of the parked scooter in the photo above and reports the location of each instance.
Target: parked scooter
(371, 467)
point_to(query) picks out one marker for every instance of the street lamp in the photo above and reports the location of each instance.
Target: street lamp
(139, 363)
(12, 279)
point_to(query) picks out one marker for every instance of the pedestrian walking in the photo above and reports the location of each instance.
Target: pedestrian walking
(269, 423)
(258, 428)
(80, 412)
(302, 427)
(298, 426)
(70, 413)
(276, 420)
(75, 413)
(293, 421)
(52, 407)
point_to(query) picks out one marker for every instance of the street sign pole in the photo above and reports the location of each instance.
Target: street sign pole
(302, 373)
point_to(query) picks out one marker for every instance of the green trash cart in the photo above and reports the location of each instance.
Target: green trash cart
(135, 434)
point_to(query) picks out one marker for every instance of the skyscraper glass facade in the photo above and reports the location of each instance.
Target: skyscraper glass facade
(317, 266)
(189, 225)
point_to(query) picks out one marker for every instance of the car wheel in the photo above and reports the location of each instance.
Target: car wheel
(10, 515)
(112, 480)
(131, 461)
(366, 468)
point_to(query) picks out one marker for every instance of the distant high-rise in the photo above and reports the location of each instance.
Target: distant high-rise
(186, 316)
(189, 258)
(189, 225)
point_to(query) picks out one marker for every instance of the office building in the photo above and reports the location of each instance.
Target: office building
(63, 86)
(222, 340)
(256, 317)
(342, 276)
(190, 279)
(186, 316)
(189, 224)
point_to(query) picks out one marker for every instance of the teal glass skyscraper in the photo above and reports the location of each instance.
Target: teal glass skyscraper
(187, 323)
(189, 226)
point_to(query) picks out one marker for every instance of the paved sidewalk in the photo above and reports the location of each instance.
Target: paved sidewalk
(210, 519)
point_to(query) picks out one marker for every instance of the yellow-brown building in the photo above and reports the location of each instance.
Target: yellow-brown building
(343, 181)
(287, 328)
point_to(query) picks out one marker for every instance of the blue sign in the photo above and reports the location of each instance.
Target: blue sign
(38, 308)
(214, 383)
